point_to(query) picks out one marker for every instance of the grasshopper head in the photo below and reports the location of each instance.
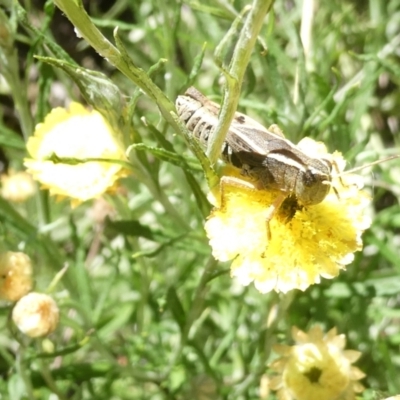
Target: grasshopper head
(315, 182)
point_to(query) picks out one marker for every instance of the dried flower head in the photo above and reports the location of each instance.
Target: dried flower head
(15, 275)
(306, 243)
(75, 134)
(316, 367)
(36, 314)
(17, 186)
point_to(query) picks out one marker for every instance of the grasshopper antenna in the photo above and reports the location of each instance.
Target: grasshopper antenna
(351, 171)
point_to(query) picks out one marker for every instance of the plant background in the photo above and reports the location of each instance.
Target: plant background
(146, 311)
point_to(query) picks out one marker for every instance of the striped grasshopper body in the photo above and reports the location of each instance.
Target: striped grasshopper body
(262, 154)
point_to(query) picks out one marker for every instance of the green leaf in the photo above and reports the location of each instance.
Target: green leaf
(99, 91)
(46, 76)
(386, 250)
(175, 305)
(188, 164)
(135, 228)
(119, 319)
(75, 371)
(11, 139)
(276, 82)
(195, 69)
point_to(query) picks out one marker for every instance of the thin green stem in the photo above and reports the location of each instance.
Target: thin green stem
(46, 374)
(9, 67)
(194, 312)
(143, 175)
(144, 269)
(200, 295)
(253, 378)
(76, 161)
(235, 74)
(23, 373)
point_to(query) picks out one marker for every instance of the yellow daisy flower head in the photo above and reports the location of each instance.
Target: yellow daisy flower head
(316, 367)
(300, 244)
(79, 134)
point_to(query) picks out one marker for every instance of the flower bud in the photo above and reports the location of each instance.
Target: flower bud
(15, 275)
(17, 186)
(36, 314)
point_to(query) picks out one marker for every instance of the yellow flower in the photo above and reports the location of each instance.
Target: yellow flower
(316, 368)
(79, 134)
(306, 242)
(36, 314)
(15, 275)
(17, 186)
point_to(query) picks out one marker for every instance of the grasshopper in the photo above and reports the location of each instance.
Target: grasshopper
(264, 155)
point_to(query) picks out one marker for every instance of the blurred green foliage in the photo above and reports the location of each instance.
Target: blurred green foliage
(146, 311)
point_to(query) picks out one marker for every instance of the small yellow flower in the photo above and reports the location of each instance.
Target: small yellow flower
(15, 275)
(316, 368)
(75, 133)
(36, 314)
(17, 186)
(306, 243)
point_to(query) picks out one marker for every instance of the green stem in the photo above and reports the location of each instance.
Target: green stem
(253, 378)
(194, 312)
(144, 289)
(76, 161)
(143, 175)
(23, 373)
(200, 295)
(9, 67)
(10, 70)
(234, 75)
(47, 377)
